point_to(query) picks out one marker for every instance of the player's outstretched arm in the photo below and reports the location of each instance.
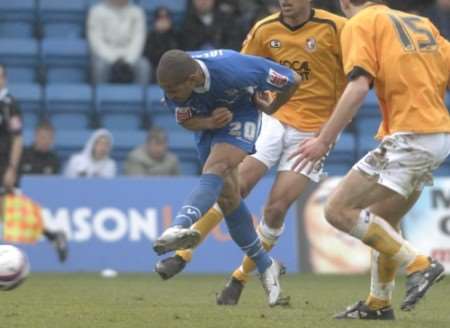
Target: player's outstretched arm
(312, 150)
(268, 106)
(347, 107)
(219, 118)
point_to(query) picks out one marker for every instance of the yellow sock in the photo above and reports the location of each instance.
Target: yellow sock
(377, 238)
(382, 284)
(379, 235)
(248, 266)
(206, 223)
(420, 263)
(375, 303)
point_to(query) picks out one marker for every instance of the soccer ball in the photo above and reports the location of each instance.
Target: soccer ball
(14, 267)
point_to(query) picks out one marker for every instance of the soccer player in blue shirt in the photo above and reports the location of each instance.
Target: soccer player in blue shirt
(219, 95)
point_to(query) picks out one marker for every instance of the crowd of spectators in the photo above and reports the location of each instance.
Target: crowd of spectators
(124, 50)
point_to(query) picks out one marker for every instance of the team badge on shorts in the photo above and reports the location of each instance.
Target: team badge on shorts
(311, 45)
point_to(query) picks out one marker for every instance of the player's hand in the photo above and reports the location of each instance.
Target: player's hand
(9, 179)
(263, 100)
(309, 152)
(220, 117)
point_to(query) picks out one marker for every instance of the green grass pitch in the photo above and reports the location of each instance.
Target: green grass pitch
(89, 301)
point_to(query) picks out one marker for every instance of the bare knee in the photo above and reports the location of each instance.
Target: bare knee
(274, 214)
(337, 215)
(221, 169)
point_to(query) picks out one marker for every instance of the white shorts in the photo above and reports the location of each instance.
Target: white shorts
(277, 141)
(405, 162)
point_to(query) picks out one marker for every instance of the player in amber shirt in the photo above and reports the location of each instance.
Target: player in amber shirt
(307, 41)
(407, 60)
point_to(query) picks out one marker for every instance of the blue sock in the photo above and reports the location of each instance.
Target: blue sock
(240, 226)
(201, 199)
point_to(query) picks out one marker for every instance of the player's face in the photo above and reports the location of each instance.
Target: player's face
(294, 8)
(178, 92)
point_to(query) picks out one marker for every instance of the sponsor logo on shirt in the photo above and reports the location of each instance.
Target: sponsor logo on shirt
(301, 67)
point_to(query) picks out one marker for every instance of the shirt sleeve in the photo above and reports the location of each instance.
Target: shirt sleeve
(264, 74)
(359, 49)
(15, 124)
(253, 44)
(446, 46)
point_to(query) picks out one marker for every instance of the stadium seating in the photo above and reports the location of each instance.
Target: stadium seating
(20, 57)
(125, 141)
(182, 144)
(65, 60)
(371, 106)
(344, 150)
(30, 99)
(69, 106)
(22, 74)
(17, 19)
(157, 112)
(62, 19)
(120, 107)
(19, 52)
(16, 29)
(28, 136)
(69, 142)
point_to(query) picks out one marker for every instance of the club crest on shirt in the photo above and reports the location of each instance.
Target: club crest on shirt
(311, 45)
(276, 79)
(183, 113)
(275, 44)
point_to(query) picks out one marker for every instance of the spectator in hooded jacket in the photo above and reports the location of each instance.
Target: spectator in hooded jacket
(94, 160)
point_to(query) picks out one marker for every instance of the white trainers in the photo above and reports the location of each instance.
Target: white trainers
(270, 280)
(175, 238)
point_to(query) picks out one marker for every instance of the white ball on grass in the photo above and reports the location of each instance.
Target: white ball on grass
(14, 267)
